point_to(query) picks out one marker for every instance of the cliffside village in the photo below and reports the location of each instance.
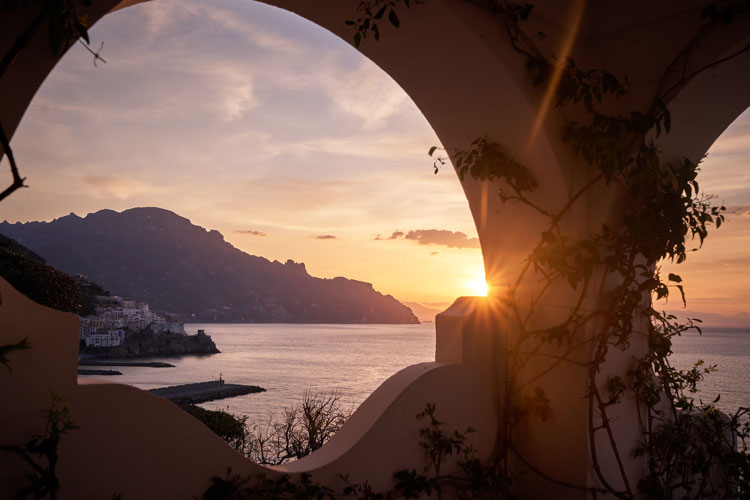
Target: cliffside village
(117, 317)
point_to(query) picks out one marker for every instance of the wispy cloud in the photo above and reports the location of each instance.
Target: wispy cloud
(251, 120)
(740, 210)
(122, 188)
(250, 232)
(450, 239)
(732, 143)
(368, 96)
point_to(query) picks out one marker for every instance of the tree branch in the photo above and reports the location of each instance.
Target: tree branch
(17, 179)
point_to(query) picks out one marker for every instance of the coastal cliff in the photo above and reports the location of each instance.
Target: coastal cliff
(154, 255)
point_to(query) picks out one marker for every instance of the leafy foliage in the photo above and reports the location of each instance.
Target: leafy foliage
(474, 478)
(262, 487)
(64, 23)
(228, 427)
(371, 12)
(665, 212)
(6, 349)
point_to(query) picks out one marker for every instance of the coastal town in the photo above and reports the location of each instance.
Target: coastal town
(116, 327)
(117, 318)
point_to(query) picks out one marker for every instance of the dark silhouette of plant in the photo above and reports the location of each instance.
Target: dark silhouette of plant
(474, 478)
(616, 268)
(6, 349)
(303, 428)
(262, 487)
(371, 12)
(228, 427)
(40, 452)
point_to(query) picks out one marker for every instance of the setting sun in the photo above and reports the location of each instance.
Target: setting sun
(477, 287)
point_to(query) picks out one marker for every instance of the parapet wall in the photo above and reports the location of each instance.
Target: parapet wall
(142, 446)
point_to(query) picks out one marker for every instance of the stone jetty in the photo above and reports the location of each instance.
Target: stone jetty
(98, 372)
(109, 362)
(201, 392)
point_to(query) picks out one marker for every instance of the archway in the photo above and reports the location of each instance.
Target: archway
(463, 35)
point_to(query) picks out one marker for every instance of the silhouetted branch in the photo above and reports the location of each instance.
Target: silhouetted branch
(17, 179)
(95, 54)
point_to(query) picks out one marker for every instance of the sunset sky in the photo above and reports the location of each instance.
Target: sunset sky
(252, 121)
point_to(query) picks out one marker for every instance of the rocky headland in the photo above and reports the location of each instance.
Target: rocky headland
(155, 256)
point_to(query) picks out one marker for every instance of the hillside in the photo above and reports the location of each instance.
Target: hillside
(28, 273)
(156, 256)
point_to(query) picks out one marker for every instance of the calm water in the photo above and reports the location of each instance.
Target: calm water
(729, 350)
(287, 359)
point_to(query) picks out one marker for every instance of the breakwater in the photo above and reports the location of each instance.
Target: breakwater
(98, 372)
(201, 392)
(109, 362)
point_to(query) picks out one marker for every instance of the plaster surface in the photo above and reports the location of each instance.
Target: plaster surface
(486, 92)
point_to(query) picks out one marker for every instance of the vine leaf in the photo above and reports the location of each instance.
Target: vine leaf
(21, 345)
(393, 18)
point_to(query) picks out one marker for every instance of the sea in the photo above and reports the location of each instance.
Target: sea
(353, 360)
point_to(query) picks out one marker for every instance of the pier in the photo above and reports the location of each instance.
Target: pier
(200, 392)
(109, 362)
(98, 372)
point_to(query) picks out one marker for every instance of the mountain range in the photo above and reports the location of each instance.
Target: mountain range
(713, 320)
(156, 256)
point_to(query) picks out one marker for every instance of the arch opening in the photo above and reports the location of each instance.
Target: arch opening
(716, 277)
(95, 135)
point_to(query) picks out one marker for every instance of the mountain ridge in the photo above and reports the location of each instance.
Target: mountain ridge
(157, 256)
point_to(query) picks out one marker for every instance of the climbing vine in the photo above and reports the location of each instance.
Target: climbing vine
(690, 447)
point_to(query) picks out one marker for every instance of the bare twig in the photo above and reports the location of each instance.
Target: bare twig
(17, 179)
(97, 56)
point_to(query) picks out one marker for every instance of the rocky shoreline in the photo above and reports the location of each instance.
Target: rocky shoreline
(167, 345)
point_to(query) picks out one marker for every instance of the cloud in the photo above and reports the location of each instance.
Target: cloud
(731, 143)
(239, 99)
(368, 96)
(250, 232)
(450, 239)
(122, 188)
(324, 237)
(741, 210)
